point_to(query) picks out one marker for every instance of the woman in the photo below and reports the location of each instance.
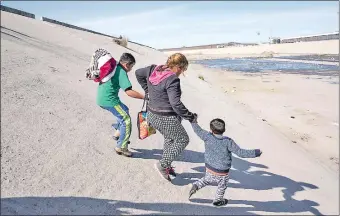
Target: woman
(165, 109)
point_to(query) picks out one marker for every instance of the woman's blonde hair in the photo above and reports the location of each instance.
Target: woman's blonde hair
(176, 59)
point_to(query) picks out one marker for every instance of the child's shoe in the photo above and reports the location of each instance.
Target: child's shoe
(123, 151)
(220, 202)
(193, 190)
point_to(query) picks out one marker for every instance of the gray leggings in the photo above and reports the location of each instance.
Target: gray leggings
(209, 179)
(175, 136)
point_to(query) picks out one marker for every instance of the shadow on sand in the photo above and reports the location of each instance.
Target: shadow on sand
(241, 174)
(156, 154)
(92, 206)
(243, 178)
(259, 180)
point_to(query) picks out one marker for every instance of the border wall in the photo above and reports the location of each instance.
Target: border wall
(45, 19)
(321, 37)
(16, 11)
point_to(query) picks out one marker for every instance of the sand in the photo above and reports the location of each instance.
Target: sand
(303, 107)
(57, 154)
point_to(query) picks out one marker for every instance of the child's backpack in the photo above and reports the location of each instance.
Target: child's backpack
(102, 66)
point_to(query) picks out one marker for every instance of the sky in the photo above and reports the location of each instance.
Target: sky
(168, 24)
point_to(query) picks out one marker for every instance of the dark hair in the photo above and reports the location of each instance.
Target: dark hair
(217, 126)
(127, 58)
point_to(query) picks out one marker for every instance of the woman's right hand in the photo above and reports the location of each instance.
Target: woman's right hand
(194, 120)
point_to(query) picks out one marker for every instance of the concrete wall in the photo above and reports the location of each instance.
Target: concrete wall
(73, 26)
(82, 29)
(334, 36)
(30, 15)
(16, 11)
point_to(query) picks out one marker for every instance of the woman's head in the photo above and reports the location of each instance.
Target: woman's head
(178, 63)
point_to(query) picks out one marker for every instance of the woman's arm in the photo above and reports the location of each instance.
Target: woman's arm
(174, 93)
(142, 75)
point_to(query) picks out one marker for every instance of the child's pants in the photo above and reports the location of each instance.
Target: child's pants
(175, 136)
(209, 179)
(121, 111)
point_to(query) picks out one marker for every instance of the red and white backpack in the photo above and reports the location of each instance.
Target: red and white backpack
(102, 66)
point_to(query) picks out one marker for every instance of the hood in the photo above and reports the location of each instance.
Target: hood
(158, 76)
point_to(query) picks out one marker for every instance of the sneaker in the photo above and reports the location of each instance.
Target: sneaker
(171, 171)
(220, 202)
(123, 151)
(193, 190)
(164, 172)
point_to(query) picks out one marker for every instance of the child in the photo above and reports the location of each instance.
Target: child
(218, 149)
(108, 99)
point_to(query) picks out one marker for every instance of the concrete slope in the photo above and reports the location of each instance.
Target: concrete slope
(57, 155)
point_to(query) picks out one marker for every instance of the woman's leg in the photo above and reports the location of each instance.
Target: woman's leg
(167, 145)
(176, 138)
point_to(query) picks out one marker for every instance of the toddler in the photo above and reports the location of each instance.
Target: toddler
(218, 151)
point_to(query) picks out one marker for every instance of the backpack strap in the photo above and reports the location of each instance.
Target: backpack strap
(145, 103)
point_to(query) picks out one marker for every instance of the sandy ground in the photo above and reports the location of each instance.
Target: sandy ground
(304, 107)
(57, 154)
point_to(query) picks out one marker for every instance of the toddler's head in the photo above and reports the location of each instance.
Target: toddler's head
(217, 126)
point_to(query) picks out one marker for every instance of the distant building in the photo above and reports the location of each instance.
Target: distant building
(320, 37)
(274, 40)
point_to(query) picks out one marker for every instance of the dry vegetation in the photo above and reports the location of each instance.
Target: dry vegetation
(123, 41)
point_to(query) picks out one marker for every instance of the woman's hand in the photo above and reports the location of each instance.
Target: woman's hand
(194, 120)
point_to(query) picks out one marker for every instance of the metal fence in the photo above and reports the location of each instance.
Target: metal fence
(45, 19)
(73, 26)
(331, 36)
(16, 11)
